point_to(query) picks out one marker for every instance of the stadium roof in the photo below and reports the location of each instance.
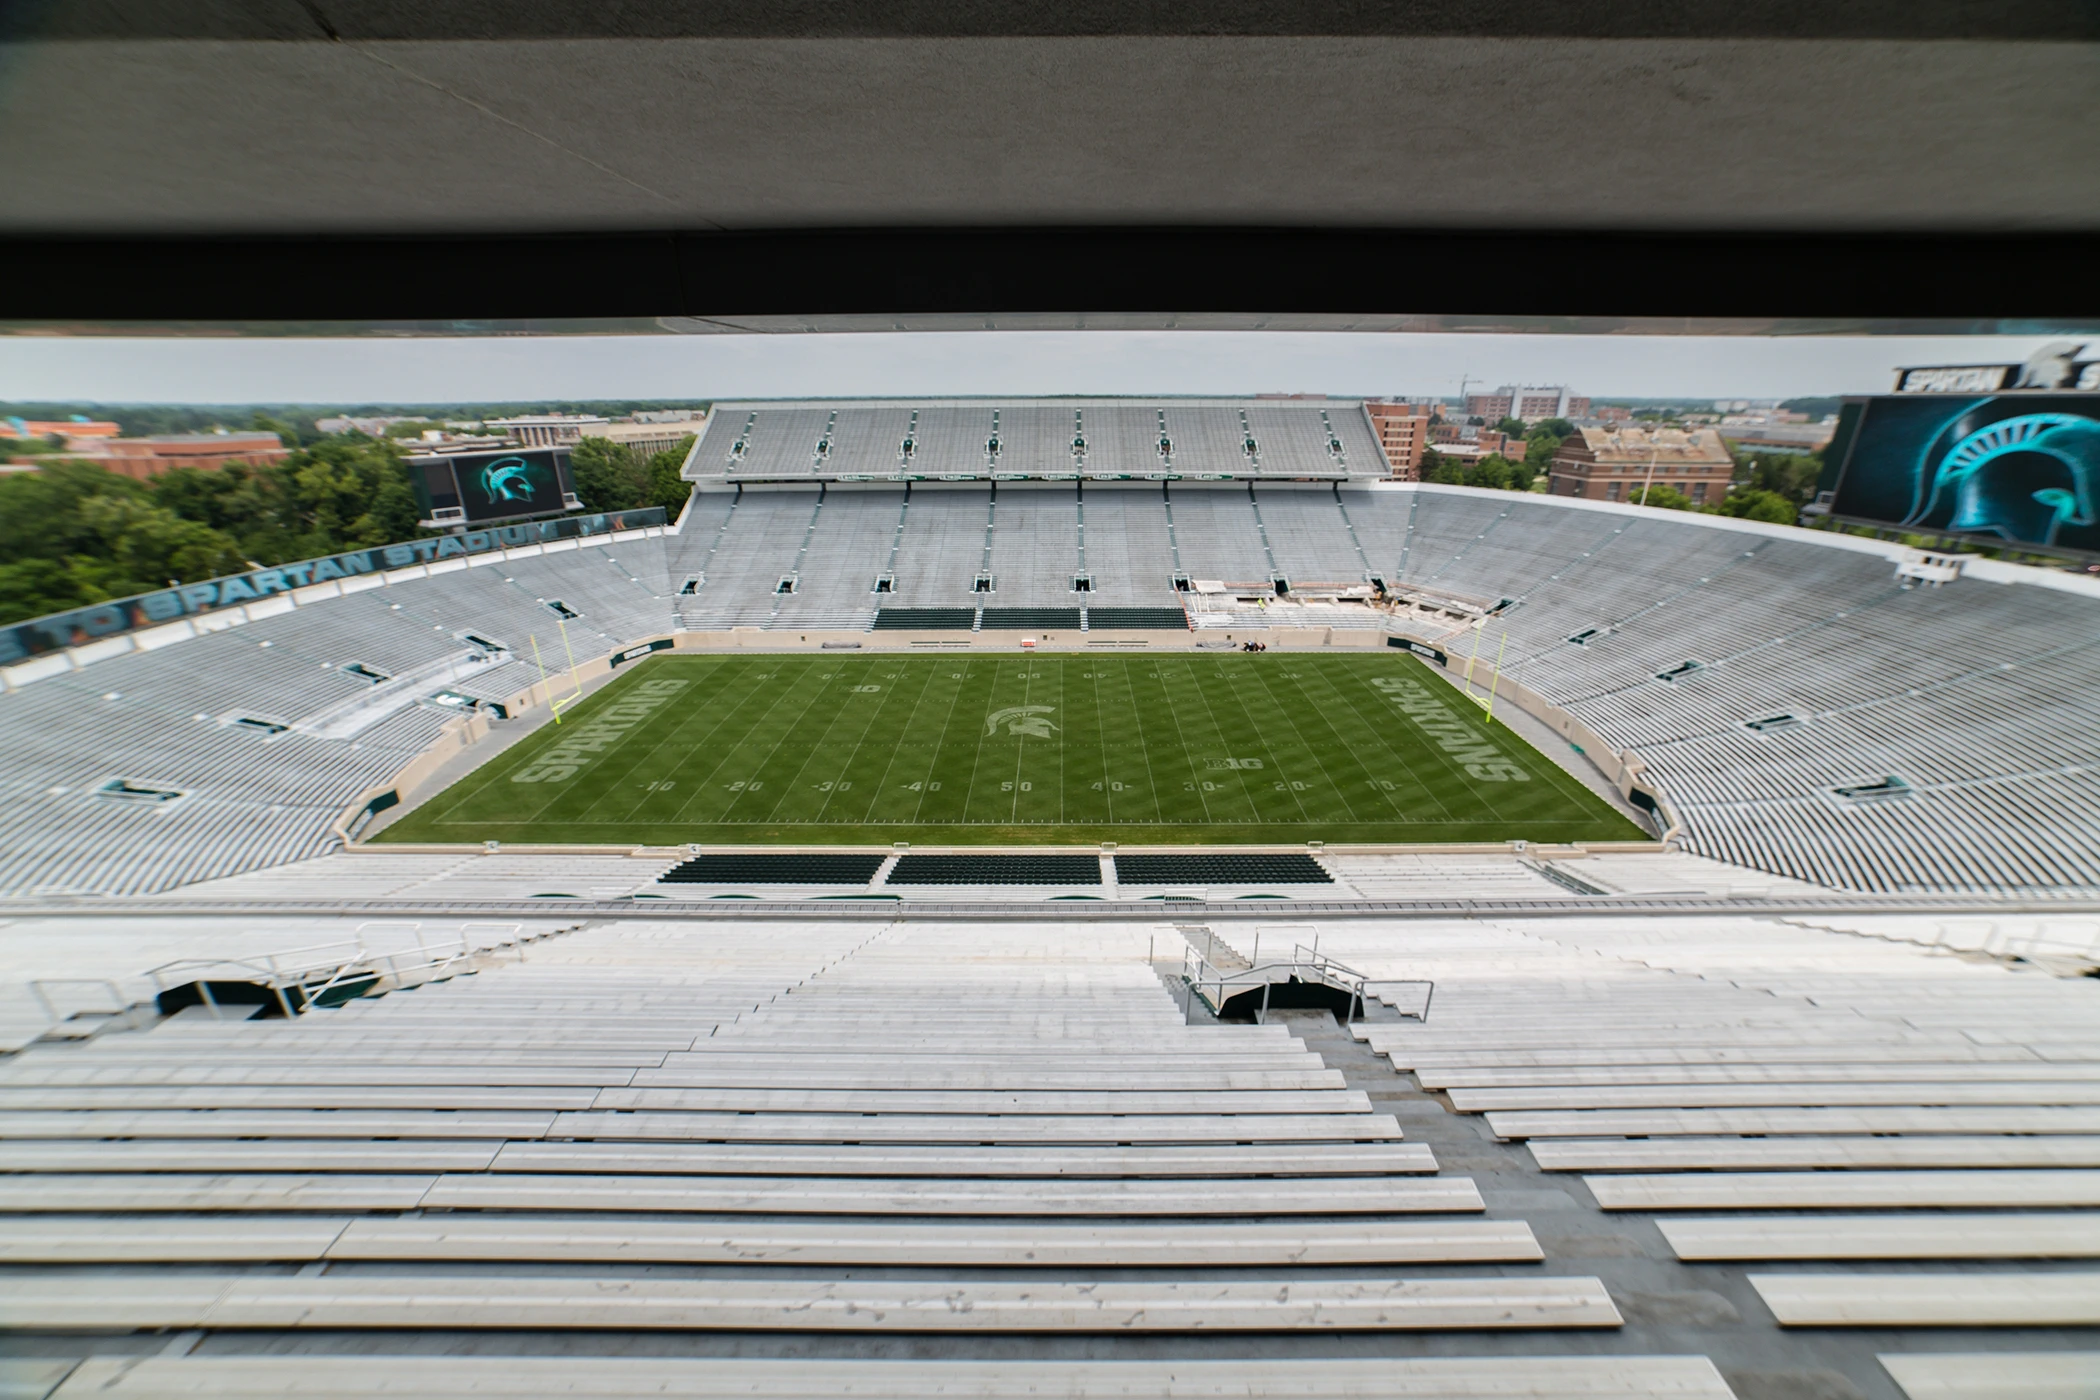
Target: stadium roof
(886, 129)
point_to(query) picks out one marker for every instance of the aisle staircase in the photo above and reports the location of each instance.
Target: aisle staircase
(944, 1132)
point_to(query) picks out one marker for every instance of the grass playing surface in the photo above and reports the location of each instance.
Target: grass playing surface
(1020, 750)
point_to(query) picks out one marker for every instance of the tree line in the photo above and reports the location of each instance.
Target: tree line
(74, 533)
(152, 419)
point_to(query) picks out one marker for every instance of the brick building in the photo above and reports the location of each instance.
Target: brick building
(1607, 464)
(68, 429)
(1472, 436)
(144, 457)
(1403, 431)
(1531, 402)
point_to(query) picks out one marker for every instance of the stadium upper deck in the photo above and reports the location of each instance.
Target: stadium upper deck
(1038, 439)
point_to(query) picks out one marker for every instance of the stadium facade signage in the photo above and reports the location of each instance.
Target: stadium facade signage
(600, 732)
(1459, 740)
(92, 624)
(1422, 649)
(621, 658)
(2054, 366)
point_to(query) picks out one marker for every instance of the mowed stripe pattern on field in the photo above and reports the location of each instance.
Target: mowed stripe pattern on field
(1016, 749)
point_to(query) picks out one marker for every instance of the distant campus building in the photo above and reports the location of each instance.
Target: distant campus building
(140, 458)
(647, 435)
(68, 429)
(1530, 402)
(1610, 464)
(547, 429)
(1403, 433)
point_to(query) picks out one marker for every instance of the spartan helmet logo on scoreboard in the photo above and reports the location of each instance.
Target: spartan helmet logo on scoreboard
(2050, 367)
(1030, 720)
(506, 479)
(2004, 469)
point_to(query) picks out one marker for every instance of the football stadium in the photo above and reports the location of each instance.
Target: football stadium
(1019, 898)
(1191, 701)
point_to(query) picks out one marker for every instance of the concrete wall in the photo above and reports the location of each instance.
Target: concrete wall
(1625, 768)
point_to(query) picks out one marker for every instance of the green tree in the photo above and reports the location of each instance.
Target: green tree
(31, 446)
(609, 475)
(1661, 497)
(40, 511)
(147, 546)
(390, 515)
(1494, 472)
(1440, 469)
(1814, 407)
(666, 487)
(1510, 427)
(342, 492)
(1792, 475)
(33, 587)
(74, 533)
(1748, 503)
(287, 434)
(1540, 445)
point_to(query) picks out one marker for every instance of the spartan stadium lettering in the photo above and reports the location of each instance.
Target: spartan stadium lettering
(600, 732)
(1481, 758)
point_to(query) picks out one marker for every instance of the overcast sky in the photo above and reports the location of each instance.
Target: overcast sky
(214, 370)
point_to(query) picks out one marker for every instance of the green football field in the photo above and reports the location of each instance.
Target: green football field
(1019, 750)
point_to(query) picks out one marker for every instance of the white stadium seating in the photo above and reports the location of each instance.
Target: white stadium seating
(1973, 695)
(872, 1156)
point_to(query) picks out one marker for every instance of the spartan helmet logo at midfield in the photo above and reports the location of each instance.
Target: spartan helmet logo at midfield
(1031, 720)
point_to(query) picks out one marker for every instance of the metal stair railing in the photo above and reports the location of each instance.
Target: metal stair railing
(1217, 985)
(317, 970)
(118, 1009)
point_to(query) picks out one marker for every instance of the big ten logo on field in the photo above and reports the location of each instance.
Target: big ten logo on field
(600, 732)
(1458, 740)
(1032, 721)
(1232, 763)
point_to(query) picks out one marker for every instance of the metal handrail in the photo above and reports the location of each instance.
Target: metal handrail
(1423, 1014)
(1325, 970)
(313, 978)
(316, 979)
(38, 989)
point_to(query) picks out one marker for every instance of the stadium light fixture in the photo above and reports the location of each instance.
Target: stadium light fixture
(1654, 448)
